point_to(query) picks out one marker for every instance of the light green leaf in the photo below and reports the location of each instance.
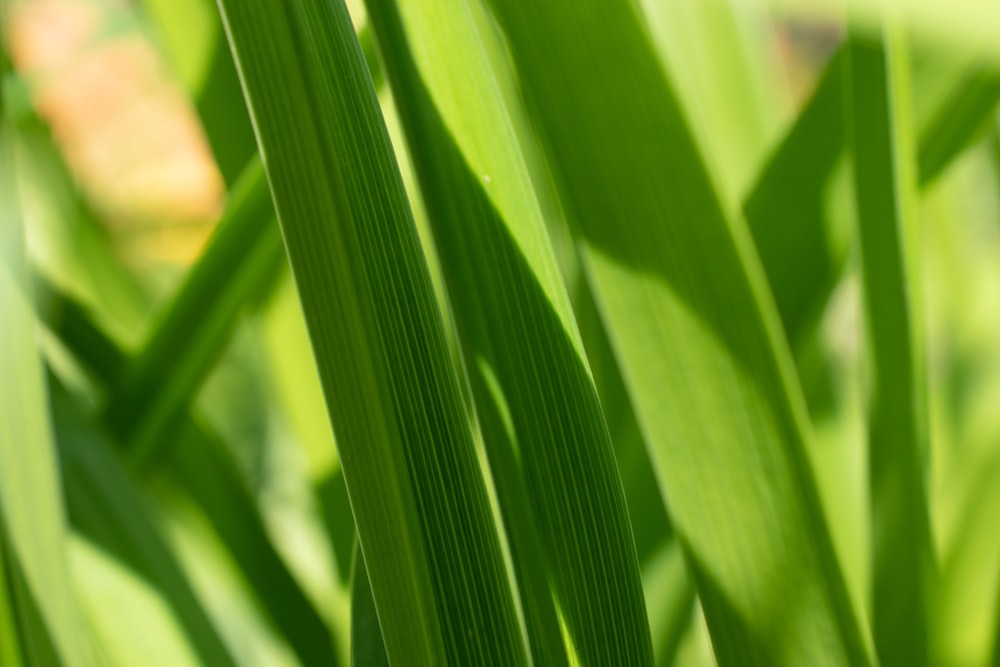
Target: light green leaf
(670, 598)
(696, 333)
(405, 444)
(718, 56)
(32, 523)
(885, 174)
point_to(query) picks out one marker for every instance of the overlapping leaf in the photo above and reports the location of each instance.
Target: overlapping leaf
(696, 333)
(518, 337)
(406, 447)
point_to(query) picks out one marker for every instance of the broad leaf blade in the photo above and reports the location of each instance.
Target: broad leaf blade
(695, 331)
(405, 444)
(898, 428)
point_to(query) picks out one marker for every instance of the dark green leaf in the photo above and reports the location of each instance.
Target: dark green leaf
(898, 422)
(406, 447)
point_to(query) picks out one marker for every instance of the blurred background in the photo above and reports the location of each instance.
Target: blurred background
(121, 190)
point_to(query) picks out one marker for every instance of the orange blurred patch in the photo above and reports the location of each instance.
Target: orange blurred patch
(129, 134)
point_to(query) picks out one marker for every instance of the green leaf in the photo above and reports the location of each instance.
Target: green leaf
(243, 259)
(406, 447)
(32, 523)
(518, 337)
(106, 507)
(785, 208)
(199, 464)
(802, 250)
(650, 522)
(961, 117)
(885, 174)
(717, 55)
(696, 333)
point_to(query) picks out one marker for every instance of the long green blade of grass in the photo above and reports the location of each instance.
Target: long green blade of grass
(416, 490)
(898, 428)
(243, 258)
(513, 316)
(32, 523)
(696, 333)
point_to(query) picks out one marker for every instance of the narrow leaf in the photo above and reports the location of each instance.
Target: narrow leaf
(405, 444)
(514, 318)
(243, 258)
(897, 426)
(785, 208)
(963, 116)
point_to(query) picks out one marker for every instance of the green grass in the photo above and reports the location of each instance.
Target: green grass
(553, 333)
